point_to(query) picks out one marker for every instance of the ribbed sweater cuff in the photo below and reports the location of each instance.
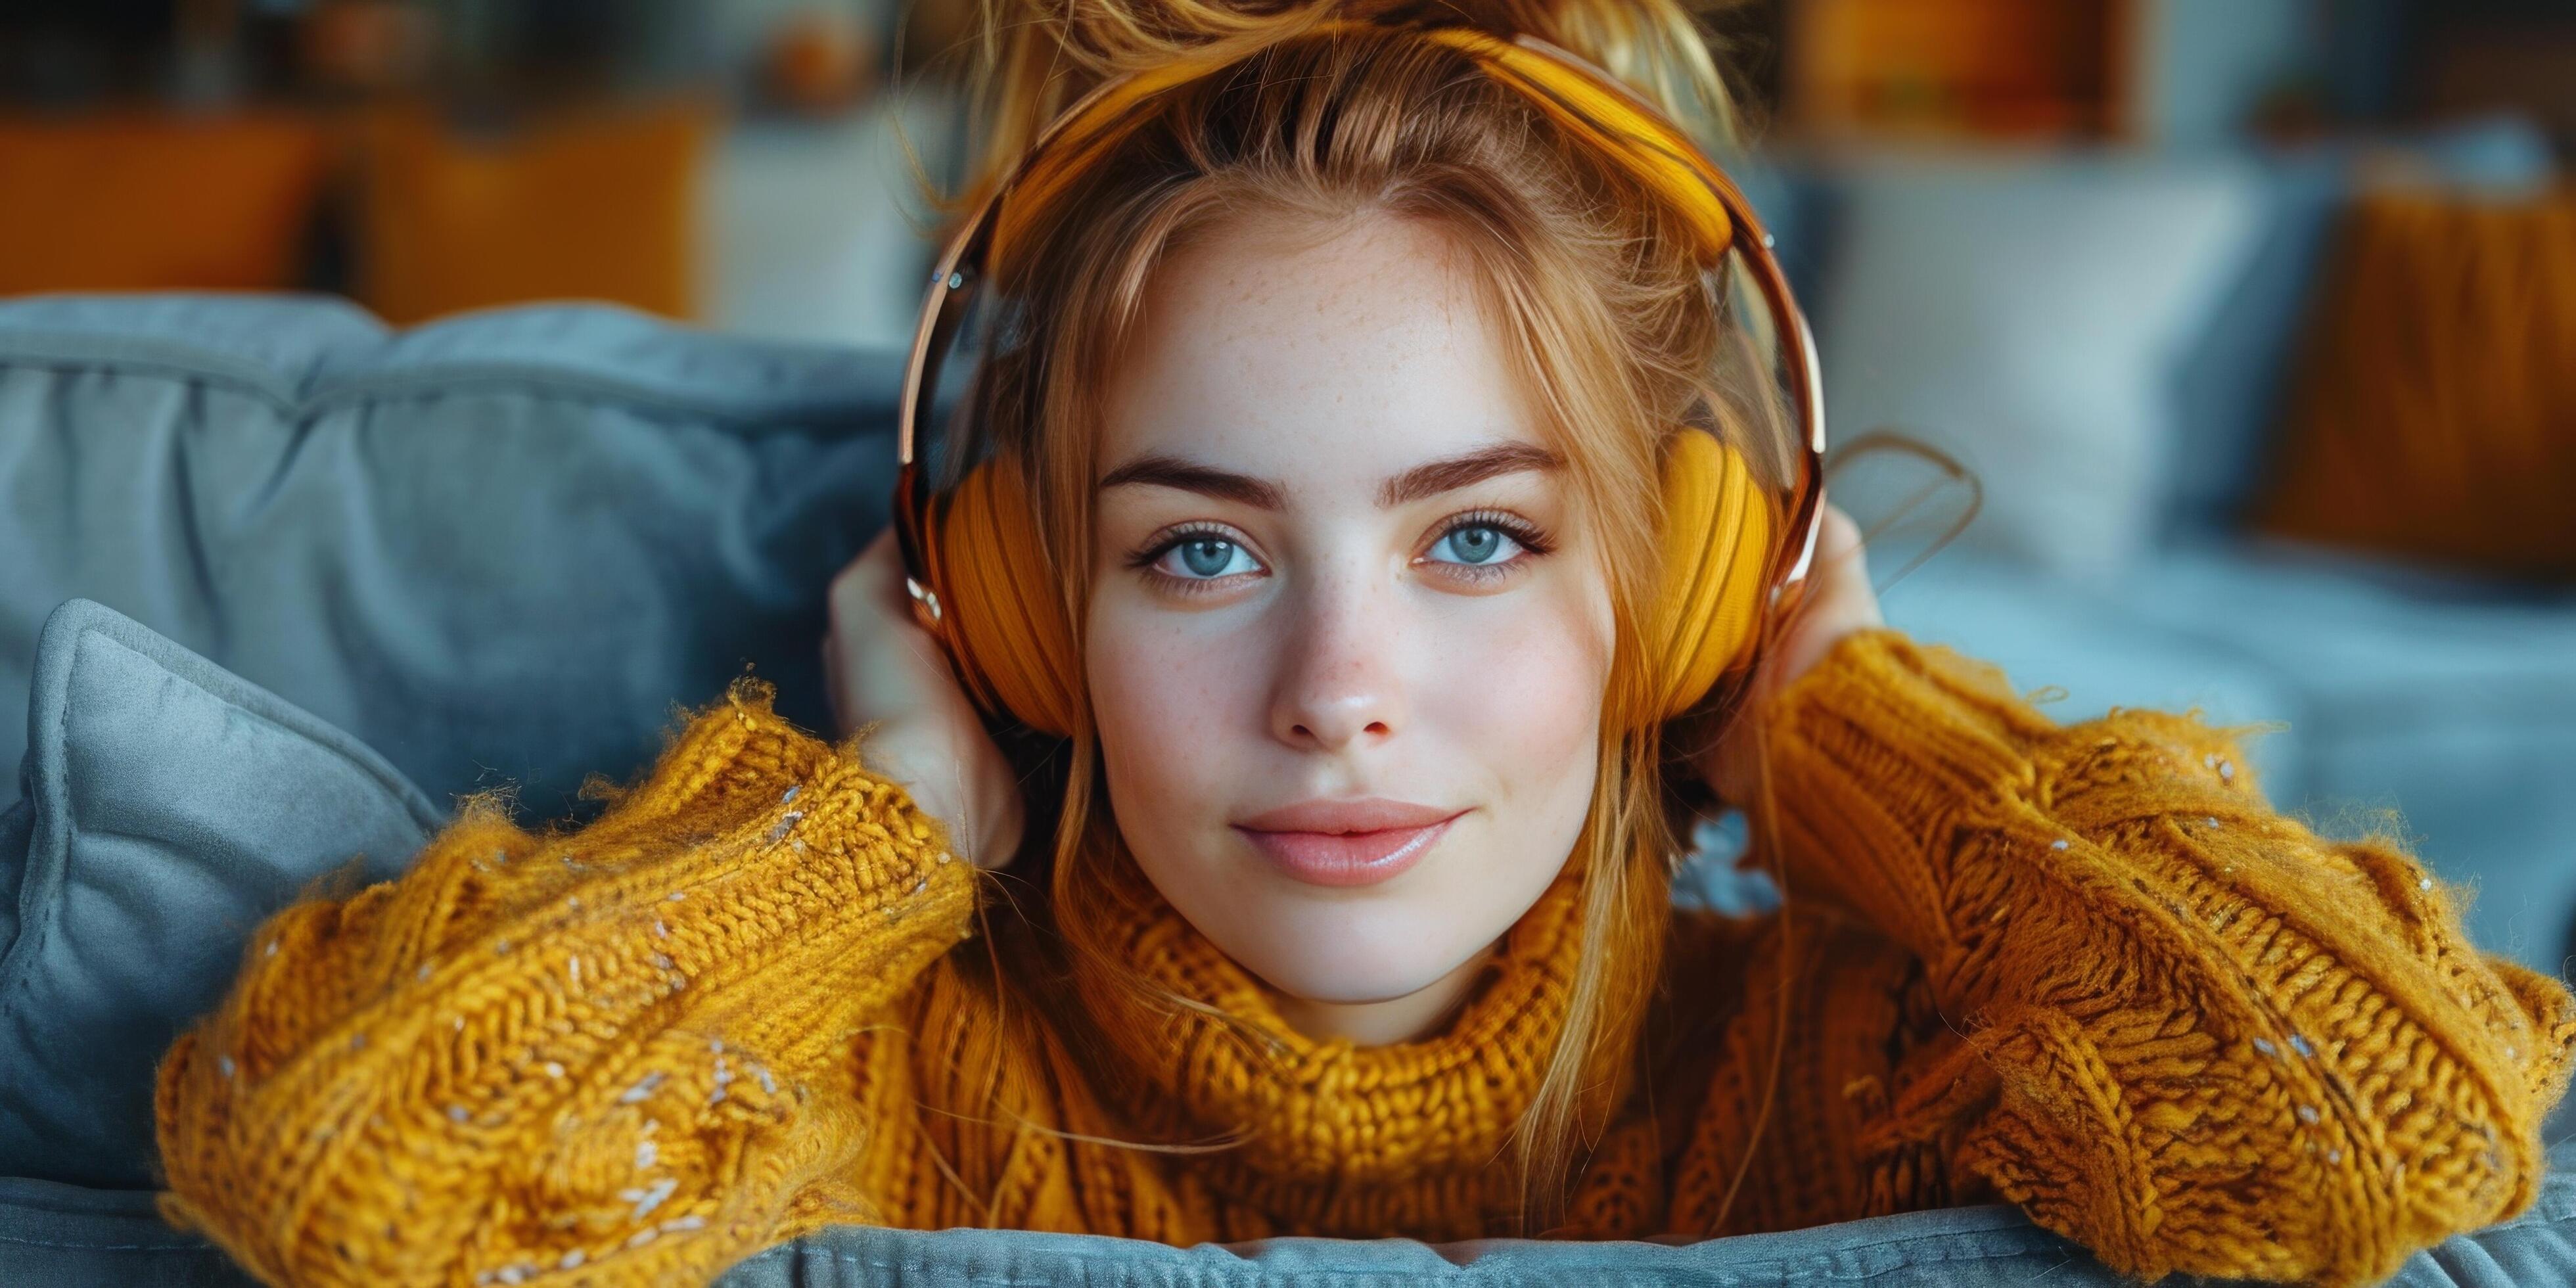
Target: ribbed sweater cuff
(1880, 756)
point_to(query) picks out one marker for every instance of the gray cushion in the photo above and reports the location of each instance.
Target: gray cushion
(497, 548)
(60, 1236)
(2094, 650)
(169, 808)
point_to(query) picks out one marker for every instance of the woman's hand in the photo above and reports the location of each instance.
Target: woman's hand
(883, 669)
(1834, 601)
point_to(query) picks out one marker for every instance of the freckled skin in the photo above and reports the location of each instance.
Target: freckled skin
(1342, 655)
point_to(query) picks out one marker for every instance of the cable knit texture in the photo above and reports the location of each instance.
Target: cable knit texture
(2083, 968)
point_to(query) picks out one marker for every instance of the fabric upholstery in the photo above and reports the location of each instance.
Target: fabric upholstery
(60, 1236)
(603, 205)
(170, 808)
(2227, 379)
(2231, 381)
(90, 200)
(2435, 418)
(2023, 315)
(348, 516)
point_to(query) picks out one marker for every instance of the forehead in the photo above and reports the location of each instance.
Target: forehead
(1316, 356)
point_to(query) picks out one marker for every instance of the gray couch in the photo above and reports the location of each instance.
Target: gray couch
(2436, 705)
(337, 568)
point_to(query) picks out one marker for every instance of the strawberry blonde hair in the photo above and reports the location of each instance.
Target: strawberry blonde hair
(1619, 336)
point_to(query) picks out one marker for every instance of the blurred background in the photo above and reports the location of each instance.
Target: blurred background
(2254, 319)
(726, 161)
(734, 162)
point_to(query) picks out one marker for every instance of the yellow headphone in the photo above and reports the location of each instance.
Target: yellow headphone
(979, 584)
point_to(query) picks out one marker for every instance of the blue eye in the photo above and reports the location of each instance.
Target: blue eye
(1206, 557)
(1474, 543)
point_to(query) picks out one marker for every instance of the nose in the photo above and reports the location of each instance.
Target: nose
(1338, 684)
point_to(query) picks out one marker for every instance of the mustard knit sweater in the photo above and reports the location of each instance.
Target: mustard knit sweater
(2083, 968)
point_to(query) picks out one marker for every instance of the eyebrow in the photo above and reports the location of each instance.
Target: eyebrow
(1430, 478)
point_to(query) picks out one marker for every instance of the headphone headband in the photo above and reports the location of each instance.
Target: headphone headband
(1581, 97)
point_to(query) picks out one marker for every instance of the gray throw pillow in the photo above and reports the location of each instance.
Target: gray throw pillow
(498, 548)
(169, 807)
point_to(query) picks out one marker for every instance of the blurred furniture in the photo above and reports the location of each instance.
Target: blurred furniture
(601, 205)
(149, 201)
(2491, 56)
(1992, 68)
(2403, 697)
(806, 227)
(2435, 412)
(820, 62)
(2184, 73)
(501, 549)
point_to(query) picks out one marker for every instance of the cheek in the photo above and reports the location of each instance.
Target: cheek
(1163, 701)
(1522, 693)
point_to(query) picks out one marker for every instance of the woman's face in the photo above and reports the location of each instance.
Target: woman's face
(1348, 641)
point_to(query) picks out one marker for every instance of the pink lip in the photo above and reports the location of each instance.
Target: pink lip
(1347, 843)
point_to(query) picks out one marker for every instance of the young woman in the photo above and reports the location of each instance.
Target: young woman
(1336, 376)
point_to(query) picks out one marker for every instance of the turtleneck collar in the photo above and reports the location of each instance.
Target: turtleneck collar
(1220, 1063)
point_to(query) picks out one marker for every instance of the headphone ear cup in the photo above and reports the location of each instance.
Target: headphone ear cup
(1016, 645)
(1717, 546)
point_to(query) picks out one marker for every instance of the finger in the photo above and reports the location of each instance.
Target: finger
(882, 565)
(889, 673)
(1839, 538)
(1842, 558)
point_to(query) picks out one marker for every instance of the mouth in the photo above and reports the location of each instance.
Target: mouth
(1325, 851)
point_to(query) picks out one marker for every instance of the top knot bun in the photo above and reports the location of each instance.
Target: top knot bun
(1037, 56)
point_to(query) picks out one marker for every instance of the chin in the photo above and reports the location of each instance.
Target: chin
(1336, 985)
(1350, 951)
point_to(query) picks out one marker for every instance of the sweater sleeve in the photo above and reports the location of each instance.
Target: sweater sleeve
(2181, 1028)
(624, 1049)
